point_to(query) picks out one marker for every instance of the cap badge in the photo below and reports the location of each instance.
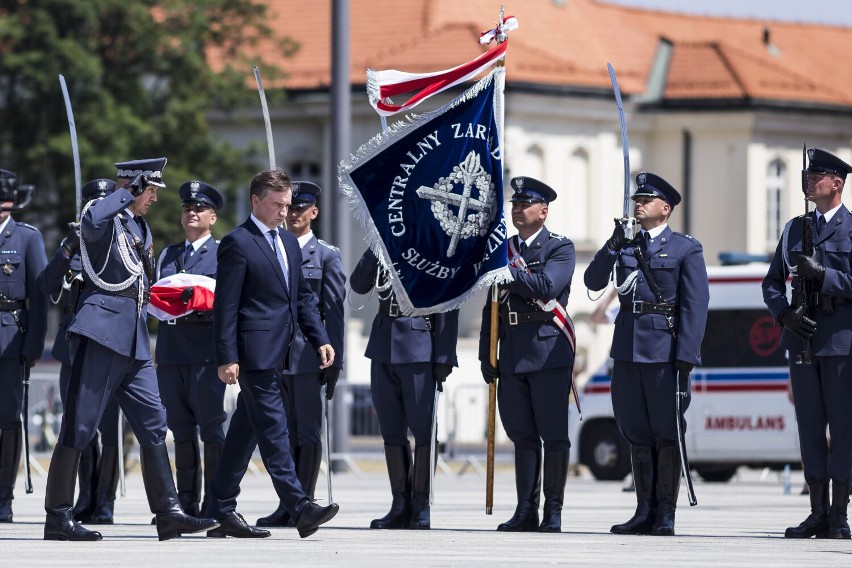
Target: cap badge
(811, 154)
(102, 184)
(640, 179)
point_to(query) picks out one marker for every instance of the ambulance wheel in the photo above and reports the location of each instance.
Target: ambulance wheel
(605, 451)
(716, 473)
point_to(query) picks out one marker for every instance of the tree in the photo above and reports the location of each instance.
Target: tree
(141, 87)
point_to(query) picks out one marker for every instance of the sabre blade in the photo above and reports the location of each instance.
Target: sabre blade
(75, 150)
(625, 146)
(269, 143)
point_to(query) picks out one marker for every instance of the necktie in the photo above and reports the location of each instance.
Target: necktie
(820, 224)
(522, 248)
(187, 254)
(645, 240)
(273, 237)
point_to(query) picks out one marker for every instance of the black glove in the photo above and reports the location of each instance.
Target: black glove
(810, 269)
(186, 294)
(137, 185)
(328, 377)
(795, 320)
(71, 242)
(26, 362)
(440, 372)
(489, 373)
(683, 367)
(618, 238)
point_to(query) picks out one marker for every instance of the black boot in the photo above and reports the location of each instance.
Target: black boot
(87, 481)
(59, 498)
(398, 459)
(838, 525)
(527, 481)
(11, 445)
(668, 484)
(555, 477)
(817, 522)
(643, 480)
(420, 509)
(104, 502)
(188, 476)
(212, 454)
(172, 522)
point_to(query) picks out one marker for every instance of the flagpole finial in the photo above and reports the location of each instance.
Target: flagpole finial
(501, 32)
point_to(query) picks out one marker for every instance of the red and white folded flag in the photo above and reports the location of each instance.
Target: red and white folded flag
(381, 85)
(167, 295)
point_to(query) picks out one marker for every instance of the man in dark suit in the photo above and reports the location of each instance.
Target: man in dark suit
(98, 472)
(536, 357)
(261, 295)
(192, 393)
(822, 387)
(409, 358)
(23, 324)
(112, 356)
(301, 384)
(647, 356)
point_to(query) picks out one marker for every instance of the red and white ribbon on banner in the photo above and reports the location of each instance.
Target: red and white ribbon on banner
(382, 85)
(167, 295)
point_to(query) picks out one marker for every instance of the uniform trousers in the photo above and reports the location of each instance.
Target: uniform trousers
(301, 395)
(534, 408)
(822, 393)
(108, 427)
(195, 401)
(11, 393)
(643, 401)
(259, 420)
(97, 375)
(404, 396)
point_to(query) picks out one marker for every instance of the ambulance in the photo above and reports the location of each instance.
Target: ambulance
(740, 415)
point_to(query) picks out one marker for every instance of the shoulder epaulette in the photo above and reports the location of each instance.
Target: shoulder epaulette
(556, 236)
(27, 225)
(326, 245)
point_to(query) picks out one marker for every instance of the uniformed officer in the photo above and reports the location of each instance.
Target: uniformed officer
(111, 356)
(23, 324)
(410, 358)
(653, 340)
(536, 357)
(301, 384)
(98, 472)
(822, 386)
(192, 393)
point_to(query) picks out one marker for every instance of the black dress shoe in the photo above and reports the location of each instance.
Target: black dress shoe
(175, 524)
(280, 518)
(63, 527)
(312, 516)
(236, 526)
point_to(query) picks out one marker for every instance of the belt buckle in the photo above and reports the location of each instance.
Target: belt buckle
(637, 307)
(513, 318)
(393, 310)
(171, 322)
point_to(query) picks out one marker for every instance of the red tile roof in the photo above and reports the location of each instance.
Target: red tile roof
(569, 43)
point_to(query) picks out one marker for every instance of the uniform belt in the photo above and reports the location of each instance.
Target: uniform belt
(516, 318)
(391, 310)
(195, 317)
(640, 307)
(132, 292)
(10, 305)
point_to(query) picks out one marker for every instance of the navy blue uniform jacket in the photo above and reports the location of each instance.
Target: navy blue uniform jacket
(22, 260)
(186, 343)
(677, 263)
(322, 271)
(51, 281)
(254, 313)
(833, 335)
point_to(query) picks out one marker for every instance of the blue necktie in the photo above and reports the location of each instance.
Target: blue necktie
(820, 225)
(273, 237)
(187, 254)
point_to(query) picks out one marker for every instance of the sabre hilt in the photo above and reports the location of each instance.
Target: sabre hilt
(629, 224)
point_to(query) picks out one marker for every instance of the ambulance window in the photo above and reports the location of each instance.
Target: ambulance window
(742, 338)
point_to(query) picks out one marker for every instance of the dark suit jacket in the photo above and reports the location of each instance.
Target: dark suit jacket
(254, 314)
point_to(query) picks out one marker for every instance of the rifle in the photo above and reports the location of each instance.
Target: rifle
(804, 292)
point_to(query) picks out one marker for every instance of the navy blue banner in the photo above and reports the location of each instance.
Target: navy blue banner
(429, 193)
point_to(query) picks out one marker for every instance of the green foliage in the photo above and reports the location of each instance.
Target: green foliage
(141, 87)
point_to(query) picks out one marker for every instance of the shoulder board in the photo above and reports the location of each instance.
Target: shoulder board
(27, 225)
(685, 236)
(328, 246)
(556, 236)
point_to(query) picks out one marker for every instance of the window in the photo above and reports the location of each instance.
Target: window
(775, 209)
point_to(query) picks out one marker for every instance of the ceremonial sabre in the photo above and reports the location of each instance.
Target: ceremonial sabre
(324, 395)
(433, 455)
(122, 483)
(26, 378)
(629, 223)
(492, 405)
(682, 391)
(269, 143)
(75, 150)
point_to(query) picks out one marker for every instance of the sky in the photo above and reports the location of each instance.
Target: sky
(836, 12)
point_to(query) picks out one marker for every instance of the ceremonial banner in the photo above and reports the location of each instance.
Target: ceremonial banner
(167, 295)
(429, 193)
